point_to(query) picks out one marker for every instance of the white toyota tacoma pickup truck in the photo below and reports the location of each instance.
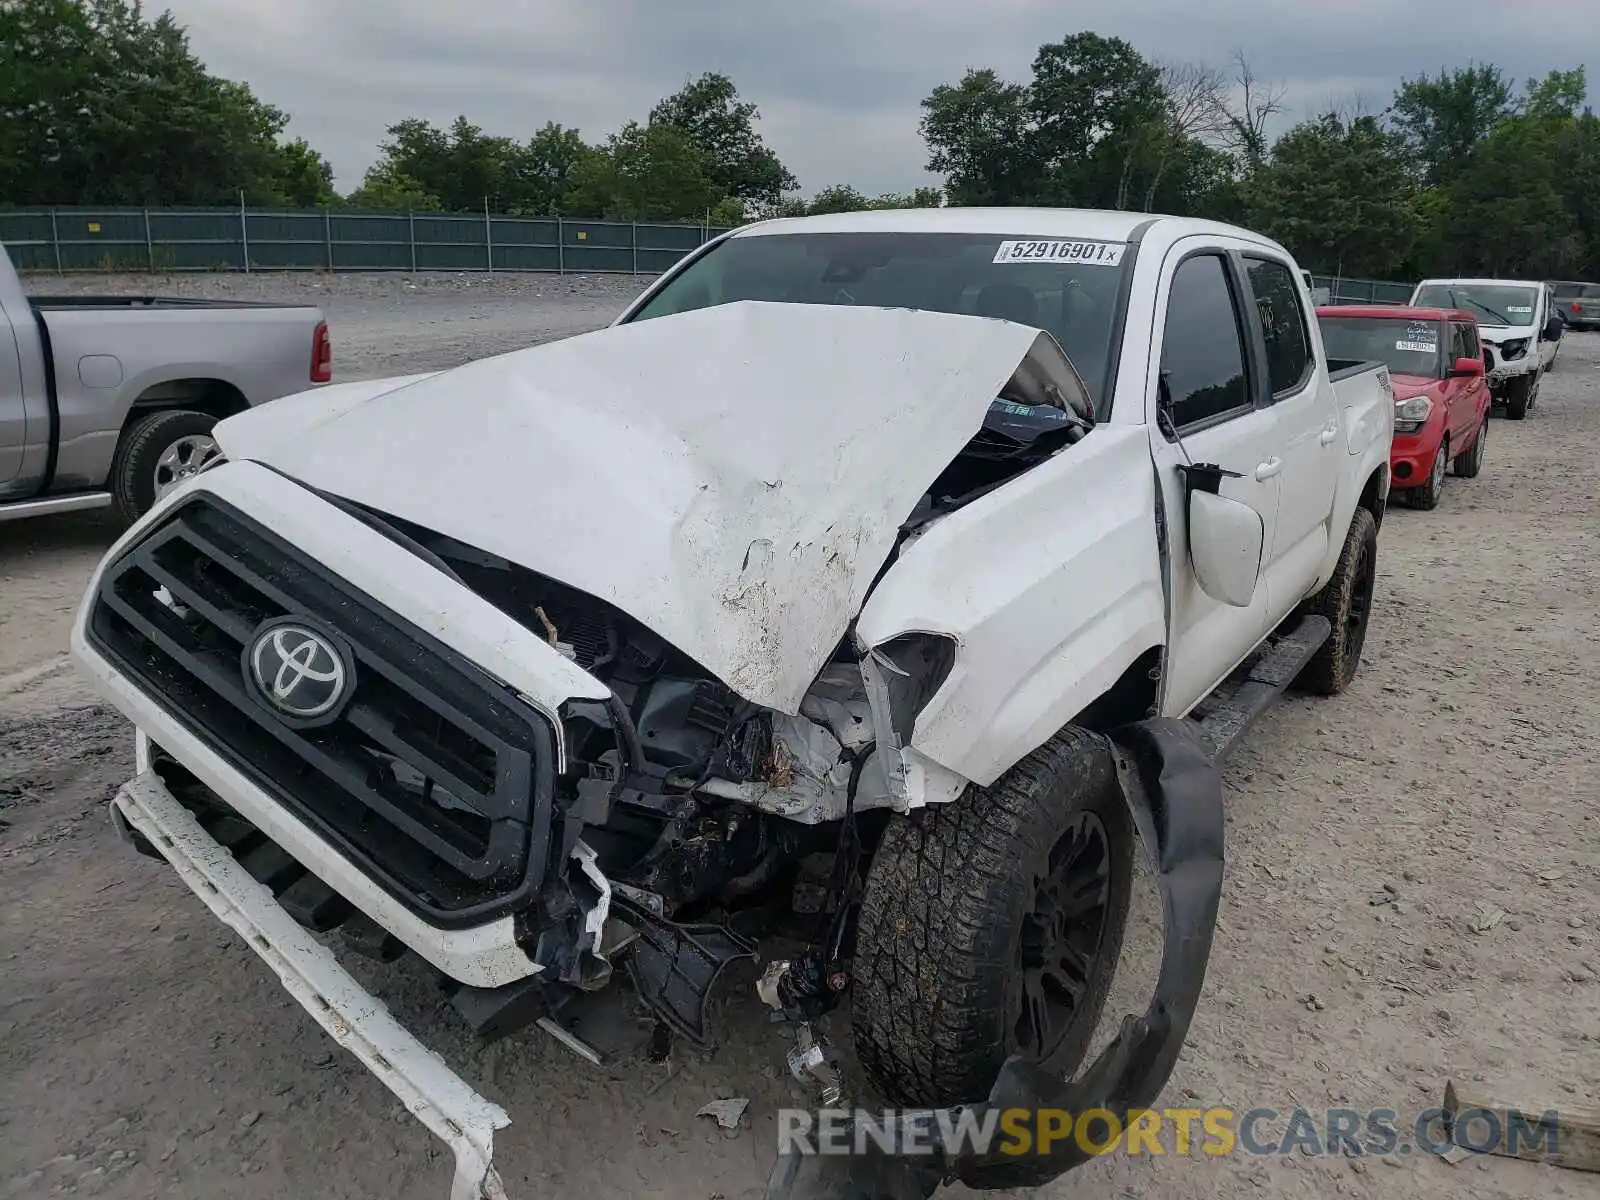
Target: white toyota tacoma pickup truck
(949, 548)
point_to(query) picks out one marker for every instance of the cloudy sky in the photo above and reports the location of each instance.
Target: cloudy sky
(838, 81)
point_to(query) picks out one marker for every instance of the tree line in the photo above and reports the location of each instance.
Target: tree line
(1465, 171)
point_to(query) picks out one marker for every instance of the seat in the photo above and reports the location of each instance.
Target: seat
(1008, 302)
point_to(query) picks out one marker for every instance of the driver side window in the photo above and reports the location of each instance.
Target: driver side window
(1202, 346)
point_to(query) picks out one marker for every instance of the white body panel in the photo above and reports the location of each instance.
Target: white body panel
(684, 470)
(1051, 585)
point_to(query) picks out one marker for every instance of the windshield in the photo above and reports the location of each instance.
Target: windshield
(1491, 303)
(1067, 287)
(1408, 347)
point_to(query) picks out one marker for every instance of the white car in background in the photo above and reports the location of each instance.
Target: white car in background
(1519, 327)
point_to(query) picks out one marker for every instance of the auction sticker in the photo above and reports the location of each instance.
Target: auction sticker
(1417, 347)
(1094, 254)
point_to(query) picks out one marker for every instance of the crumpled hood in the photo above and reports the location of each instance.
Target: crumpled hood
(733, 477)
(1496, 334)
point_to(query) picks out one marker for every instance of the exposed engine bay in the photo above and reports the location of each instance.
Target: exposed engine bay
(670, 783)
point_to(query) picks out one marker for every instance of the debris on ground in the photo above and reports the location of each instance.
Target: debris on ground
(728, 1113)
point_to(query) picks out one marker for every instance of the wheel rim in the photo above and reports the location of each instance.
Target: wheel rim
(1355, 622)
(183, 459)
(1440, 461)
(1061, 938)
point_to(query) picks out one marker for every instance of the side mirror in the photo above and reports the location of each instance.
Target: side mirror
(1553, 328)
(1466, 368)
(1226, 539)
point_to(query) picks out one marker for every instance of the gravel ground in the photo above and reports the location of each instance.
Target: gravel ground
(145, 1051)
(397, 323)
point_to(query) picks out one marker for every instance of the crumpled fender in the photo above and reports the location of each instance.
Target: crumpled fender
(1174, 792)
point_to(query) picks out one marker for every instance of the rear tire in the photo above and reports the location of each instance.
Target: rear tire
(1470, 461)
(156, 451)
(1347, 603)
(1519, 394)
(993, 925)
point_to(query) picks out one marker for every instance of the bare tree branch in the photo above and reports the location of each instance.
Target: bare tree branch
(1254, 104)
(1195, 97)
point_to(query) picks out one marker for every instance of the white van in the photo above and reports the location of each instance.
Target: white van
(1519, 327)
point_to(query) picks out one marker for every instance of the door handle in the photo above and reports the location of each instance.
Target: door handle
(1329, 432)
(1268, 469)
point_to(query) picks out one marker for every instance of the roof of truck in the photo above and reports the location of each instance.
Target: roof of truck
(1403, 311)
(1530, 283)
(1091, 223)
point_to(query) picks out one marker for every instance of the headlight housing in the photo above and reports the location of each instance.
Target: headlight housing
(1411, 415)
(1513, 349)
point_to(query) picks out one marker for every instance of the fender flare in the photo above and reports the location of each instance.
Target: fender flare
(1174, 793)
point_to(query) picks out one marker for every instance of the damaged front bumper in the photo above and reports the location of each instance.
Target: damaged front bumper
(1173, 789)
(431, 1092)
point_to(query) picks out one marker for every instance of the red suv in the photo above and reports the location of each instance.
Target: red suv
(1441, 411)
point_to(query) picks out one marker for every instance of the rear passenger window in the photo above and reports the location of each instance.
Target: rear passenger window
(1202, 350)
(1283, 324)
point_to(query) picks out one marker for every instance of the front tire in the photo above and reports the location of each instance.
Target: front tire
(1427, 496)
(993, 925)
(1519, 396)
(158, 451)
(1470, 461)
(1347, 603)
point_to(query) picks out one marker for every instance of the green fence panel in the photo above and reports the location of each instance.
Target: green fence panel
(679, 238)
(288, 240)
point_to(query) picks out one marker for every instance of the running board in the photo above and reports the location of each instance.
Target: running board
(54, 504)
(1265, 678)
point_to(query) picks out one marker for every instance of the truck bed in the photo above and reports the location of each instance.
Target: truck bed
(68, 303)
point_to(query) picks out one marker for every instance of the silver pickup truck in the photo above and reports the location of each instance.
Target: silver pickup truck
(111, 399)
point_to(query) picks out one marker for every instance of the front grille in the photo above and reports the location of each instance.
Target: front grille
(434, 778)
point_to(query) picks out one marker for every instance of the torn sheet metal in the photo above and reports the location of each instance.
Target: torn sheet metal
(678, 467)
(1174, 792)
(813, 784)
(358, 1021)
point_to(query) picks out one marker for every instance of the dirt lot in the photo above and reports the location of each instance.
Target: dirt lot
(144, 1051)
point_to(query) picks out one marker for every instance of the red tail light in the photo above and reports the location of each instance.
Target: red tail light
(321, 354)
(1576, 307)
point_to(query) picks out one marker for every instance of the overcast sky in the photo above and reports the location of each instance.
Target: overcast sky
(838, 81)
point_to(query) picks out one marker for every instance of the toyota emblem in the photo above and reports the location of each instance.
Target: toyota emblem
(300, 673)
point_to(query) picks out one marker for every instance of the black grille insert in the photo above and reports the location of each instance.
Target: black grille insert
(435, 779)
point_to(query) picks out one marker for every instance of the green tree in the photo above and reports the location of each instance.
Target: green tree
(1508, 215)
(462, 166)
(710, 115)
(979, 137)
(1443, 118)
(1097, 125)
(305, 178)
(841, 197)
(1339, 195)
(387, 189)
(1099, 119)
(646, 173)
(540, 175)
(100, 106)
(922, 197)
(1558, 94)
